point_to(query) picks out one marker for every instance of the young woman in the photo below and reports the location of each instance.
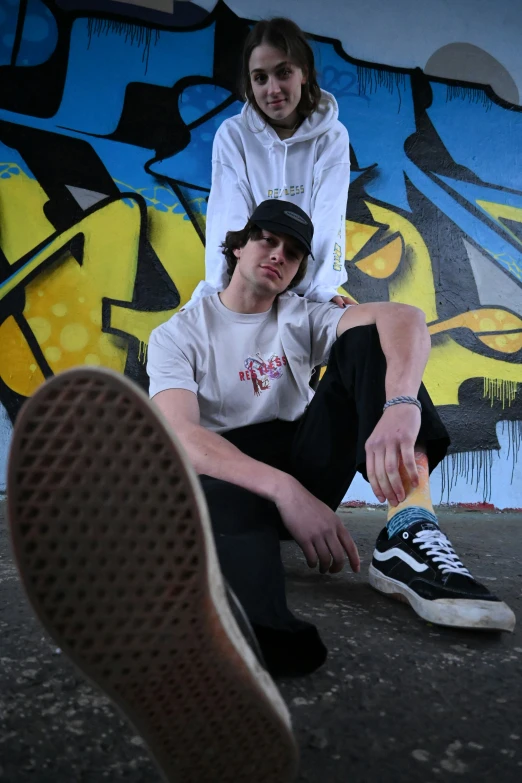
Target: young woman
(287, 143)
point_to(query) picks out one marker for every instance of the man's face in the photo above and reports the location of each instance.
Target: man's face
(269, 264)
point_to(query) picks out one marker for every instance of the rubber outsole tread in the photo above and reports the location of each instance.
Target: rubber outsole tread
(111, 536)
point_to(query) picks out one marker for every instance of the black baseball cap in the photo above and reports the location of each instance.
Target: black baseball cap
(283, 217)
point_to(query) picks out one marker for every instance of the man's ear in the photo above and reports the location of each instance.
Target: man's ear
(237, 252)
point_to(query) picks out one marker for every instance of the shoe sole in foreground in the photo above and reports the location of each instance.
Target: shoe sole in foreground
(112, 539)
(452, 612)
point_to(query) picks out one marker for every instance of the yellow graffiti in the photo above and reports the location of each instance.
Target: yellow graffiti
(18, 367)
(357, 236)
(63, 304)
(172, 238)
(21, 198)
(504, 391)
(495, 321)
(506, 343)
(499, 211)
(65, 293)
(414, 282)
(383, 262)
(138, 324)
(450, 363)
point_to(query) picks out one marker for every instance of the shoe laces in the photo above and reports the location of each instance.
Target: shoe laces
(440, 550)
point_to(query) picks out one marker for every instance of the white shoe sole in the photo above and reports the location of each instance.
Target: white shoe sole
(113, 542)
(453, 612)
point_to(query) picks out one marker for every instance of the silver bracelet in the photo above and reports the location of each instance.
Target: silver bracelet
(398, 400)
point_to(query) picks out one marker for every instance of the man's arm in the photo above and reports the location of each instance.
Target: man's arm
(404, 338)
(406, 344)
(210, 453)
(317, 530)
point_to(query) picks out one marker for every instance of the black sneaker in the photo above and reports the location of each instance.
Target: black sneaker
(115, 549)
(419, 566)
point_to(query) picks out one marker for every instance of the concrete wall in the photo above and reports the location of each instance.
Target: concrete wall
(107, 115)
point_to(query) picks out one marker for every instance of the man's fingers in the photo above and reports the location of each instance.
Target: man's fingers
(324, 554)
(372, 478)
(343, 301)
(382, 478)
(337, 552)
(309, 553)
(328, 551)
(391, 465)
(408, 460)
(349, 547)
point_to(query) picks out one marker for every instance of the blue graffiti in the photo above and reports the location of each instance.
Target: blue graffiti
(39, 33)
(481, 135)
(377, 105)
(104, 61)
(8, 22)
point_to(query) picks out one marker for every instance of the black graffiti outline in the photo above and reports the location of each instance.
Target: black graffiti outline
(76, 243)
(64, 21)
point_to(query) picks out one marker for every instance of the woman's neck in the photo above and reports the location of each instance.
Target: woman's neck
(286, 131)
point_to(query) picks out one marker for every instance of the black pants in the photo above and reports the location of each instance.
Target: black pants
(323, 450)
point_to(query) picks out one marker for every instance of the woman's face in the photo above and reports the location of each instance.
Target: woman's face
(276, 83)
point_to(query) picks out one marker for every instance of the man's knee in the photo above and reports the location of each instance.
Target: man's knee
(358, 341)
(360, 334)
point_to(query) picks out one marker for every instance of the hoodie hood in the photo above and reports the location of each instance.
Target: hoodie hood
(320, 121)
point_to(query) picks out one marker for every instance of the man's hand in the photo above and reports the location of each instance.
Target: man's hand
(317, 529)
(392, 441)
(343, 301)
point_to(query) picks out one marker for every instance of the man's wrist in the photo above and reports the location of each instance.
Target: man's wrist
(402, 400)
(402, 386)
(279, 485)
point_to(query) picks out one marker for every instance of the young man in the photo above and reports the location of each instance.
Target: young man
(116, 547)
(232, 378)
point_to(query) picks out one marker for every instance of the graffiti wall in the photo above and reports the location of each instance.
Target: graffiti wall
(107, 116)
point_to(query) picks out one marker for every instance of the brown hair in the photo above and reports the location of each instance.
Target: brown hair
(285, 35)
(237, 239)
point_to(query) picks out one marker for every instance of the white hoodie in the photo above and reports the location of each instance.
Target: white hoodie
(250, 163)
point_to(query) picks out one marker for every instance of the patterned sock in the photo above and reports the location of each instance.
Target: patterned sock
(417, 505)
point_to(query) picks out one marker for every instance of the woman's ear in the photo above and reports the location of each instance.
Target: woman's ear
(305, 75)
(237, 252)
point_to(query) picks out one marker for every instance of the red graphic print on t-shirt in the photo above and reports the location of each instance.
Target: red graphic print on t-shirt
(261, 372)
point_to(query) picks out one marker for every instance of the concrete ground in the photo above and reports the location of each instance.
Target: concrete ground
(398, 701)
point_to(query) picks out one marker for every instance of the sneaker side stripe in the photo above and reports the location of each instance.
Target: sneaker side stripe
(408, 559)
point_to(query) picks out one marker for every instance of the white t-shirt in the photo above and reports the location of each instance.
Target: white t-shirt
(244, 368)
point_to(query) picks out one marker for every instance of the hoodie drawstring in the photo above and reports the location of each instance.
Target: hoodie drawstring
(284, 168)
(285, 155)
